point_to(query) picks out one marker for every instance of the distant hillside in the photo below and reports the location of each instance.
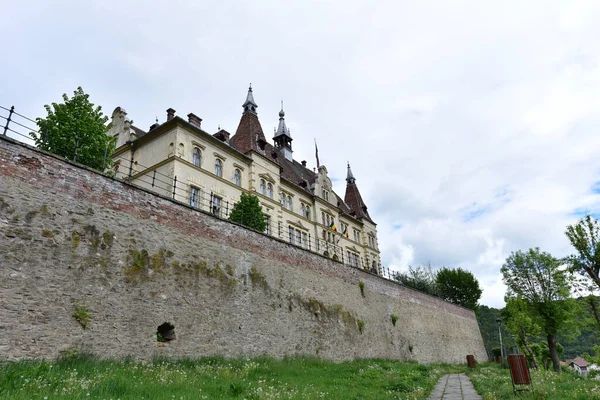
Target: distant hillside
(486, 317)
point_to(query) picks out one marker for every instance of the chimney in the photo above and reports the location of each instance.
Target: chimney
(304, 163)
(194, 120)
(170, 114)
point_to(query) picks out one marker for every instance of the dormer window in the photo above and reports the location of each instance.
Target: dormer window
(237, 177)
(219, 168)
(196, 157)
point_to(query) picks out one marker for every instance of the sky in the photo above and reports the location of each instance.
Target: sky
(471, 126)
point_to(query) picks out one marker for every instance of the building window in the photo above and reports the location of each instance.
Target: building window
(323, 217)
(282, 200)
(304, 239)
(262, 187)
(307, 212)
(353, 259)
(302, 209)
(216, 206)
(267, 224)
(270, 190)
(356, 235)
(194, 196)
(196, 157)
(290, 205)
(291, 234)
(219, 168)
(237, 177)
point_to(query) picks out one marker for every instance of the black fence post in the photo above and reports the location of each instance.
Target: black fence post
(174, 186)
(10, 113)
(153, 177)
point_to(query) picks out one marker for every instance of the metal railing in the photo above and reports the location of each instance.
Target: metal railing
(150, 178)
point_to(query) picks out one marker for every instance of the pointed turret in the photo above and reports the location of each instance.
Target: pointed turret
(350, 177)
(283, 137)
(250, 105)
(353, 198)
(249, 134)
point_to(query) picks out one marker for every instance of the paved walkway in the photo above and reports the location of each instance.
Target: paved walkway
(454, 387)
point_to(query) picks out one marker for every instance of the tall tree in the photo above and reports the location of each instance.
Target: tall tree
(248, 212)
(535, 277)
(419, 278)
(75, 129)
(585, 237)
(519, 322)
(458, 286)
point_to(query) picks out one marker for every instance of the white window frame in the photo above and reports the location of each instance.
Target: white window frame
(194, 196)
(216, 205)
(218, 167)
(197, 157)
(237, 177)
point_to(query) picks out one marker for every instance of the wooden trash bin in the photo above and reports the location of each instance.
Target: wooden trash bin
(519, 372)
(471, 363)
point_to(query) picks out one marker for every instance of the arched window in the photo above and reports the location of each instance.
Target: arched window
(302, 209)
(307, 212)
(270, 190)
(261, 189)
(290, 205)
(219, 168)
(282, 199)
(196, 157)
(237, 177)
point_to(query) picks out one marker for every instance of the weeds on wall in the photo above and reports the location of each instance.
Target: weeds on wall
(394, 319)
(82, 315)
(361, 325)
(361, 285)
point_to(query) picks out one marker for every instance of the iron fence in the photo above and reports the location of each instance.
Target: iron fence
(167, 185)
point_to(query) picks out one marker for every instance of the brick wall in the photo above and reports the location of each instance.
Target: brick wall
(72, 237)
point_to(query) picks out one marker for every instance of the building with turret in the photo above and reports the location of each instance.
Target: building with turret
(209, 172)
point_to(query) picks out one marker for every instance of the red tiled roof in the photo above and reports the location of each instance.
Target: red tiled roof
(249, 135)
(579, 362)
(354, 200)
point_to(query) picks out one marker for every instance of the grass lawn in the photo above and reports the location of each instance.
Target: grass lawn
(493, 382)
(84, 377)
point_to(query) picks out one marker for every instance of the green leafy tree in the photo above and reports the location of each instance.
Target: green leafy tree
(419, 278)
(458, 286)
(585, 238)
(248, 212)
(519, 322)
(76, 130)
(535, 277)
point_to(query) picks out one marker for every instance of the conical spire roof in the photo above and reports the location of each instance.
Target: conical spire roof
(249, 134)
(250, 105)
(353, 198)
(282, 129)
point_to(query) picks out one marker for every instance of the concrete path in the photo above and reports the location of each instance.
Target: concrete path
(454, 387)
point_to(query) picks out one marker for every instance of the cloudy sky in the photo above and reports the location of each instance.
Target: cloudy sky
(471, 126)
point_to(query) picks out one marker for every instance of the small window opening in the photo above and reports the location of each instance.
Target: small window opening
(165, 332)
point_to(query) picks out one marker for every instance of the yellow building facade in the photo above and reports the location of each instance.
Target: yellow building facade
(209, 172)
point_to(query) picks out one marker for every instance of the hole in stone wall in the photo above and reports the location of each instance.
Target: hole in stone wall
(165, 332)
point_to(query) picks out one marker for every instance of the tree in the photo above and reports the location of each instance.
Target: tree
(419, 278)
(535, 277)
(585, 237)
(458, 286)
(248, 212)
(76, 130)
(520, 323)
